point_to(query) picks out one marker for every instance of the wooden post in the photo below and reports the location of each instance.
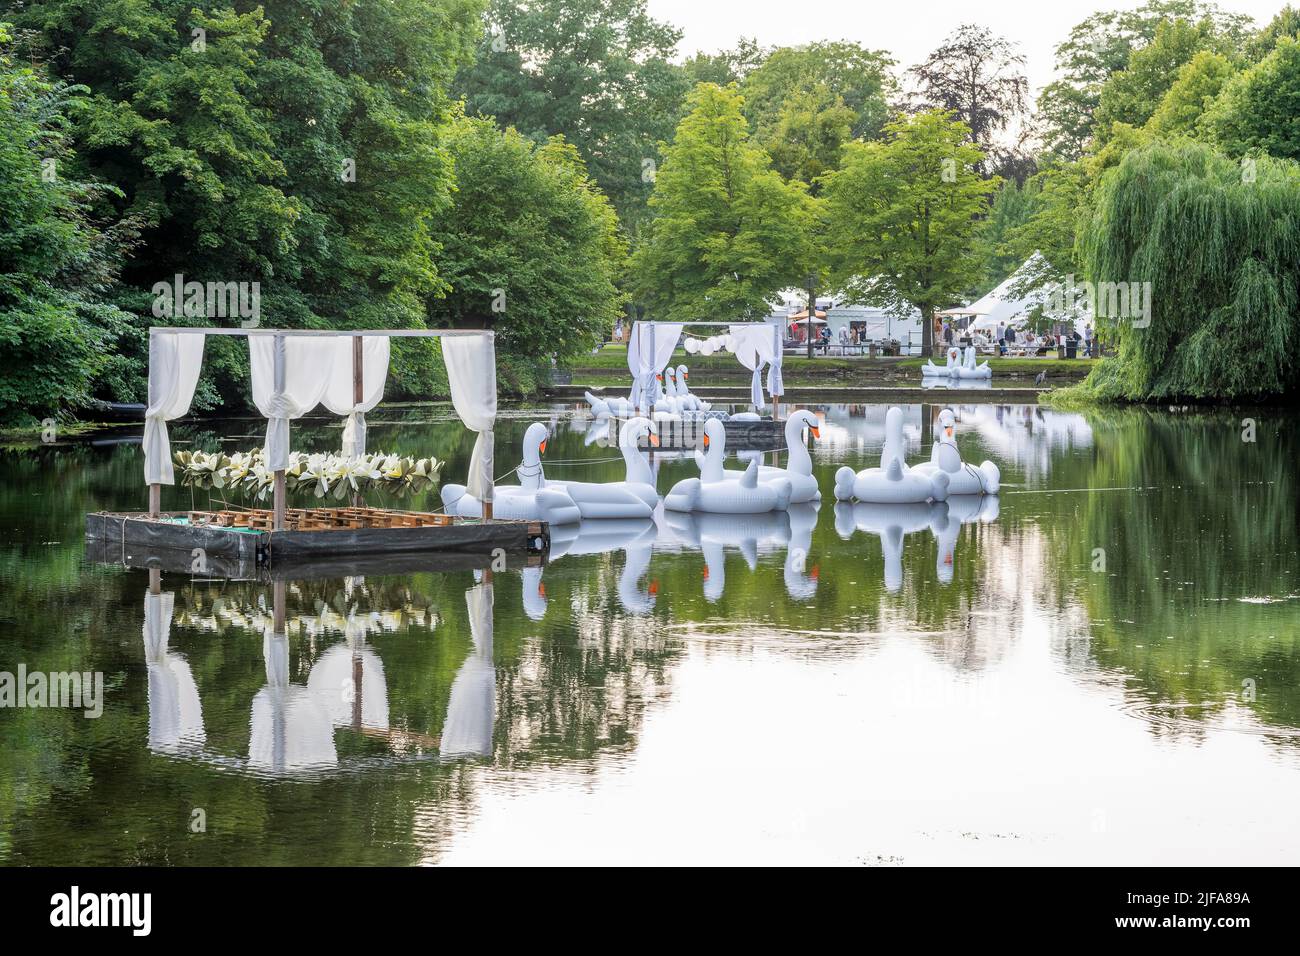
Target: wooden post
(356, 689)
(155, 500)
(358, 374)
(155, 581)
(487, 511)
(277, 502)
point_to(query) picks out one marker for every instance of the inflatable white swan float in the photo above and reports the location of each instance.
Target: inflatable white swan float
(963, 479)
(798, 471)
(714, 492)
(530, 500)
(893, 482)
(563, 502)
(959, 365)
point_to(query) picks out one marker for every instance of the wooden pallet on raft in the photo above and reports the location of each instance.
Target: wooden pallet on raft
(320, 519)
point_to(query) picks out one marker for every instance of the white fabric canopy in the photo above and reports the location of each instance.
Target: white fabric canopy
(174, 364)
(340, 391)
(472, 374)
(754, 347)
(290, 377)
(646, 362)
(471, 710)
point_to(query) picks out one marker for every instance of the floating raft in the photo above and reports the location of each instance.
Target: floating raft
(351, 539)
(687, 435)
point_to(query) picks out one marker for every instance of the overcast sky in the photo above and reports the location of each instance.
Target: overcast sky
(908, 29)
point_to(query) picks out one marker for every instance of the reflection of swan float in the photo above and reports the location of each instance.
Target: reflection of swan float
(893, 482)
(963, 479)
(891, 523)
(798, 471)
(800, 582)
(595, 536)
(714, 492)
(713, 533)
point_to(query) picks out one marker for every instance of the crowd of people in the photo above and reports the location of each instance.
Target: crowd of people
(1007, 337)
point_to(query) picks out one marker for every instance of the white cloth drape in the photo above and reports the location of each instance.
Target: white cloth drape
(775, 387)
(340, 393)
(175, 359)
(645, 363)
(472, 375)
(290, 377)
(752, 346)
(471, 710)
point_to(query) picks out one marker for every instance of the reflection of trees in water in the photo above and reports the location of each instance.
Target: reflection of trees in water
(1200, 590)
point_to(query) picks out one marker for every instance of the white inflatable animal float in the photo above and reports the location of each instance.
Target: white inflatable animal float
(633, 497)
(613, 407)
(714, 492)
(963, 479)
(798, 471)
(947, 370)
(968, 369)
(695, 403)
(530, 500)
(893, 482)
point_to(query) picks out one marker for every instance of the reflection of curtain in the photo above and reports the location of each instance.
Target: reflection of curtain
(646, 363)
(175, 711)
(174, 362)
(472, 375)
(289, 731)
(471, 711)
(340, 391)
(290, 376)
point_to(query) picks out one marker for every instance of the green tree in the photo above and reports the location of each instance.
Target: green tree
(803, 103)
(728, 232)
(1259, 110)
(1100, 46)
(1285, 24)
(530, 247)
(902, 213)
(1198, 83)
(597, 72)
(56, 264)
(725, 66)
(1013, 207)
(1218, 249)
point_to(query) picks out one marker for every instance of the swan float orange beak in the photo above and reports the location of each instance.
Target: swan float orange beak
(948, 430)
(541, 589)
(654, 587)
(541, 449)
(816, 432)
(706, 442)
(654, 439)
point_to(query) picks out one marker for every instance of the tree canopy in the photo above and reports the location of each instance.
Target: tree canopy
(728, 232)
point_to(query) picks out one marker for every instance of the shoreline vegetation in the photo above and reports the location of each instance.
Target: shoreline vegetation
(547, 169)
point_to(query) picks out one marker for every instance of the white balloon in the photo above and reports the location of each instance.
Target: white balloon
(692, 346)
(707, 347)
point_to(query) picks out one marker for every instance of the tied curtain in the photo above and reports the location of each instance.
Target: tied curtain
(472, 375)
(340, 394)
(646, 362)
(471, 710)
(175, 359)
(291, 375)
(754, 347)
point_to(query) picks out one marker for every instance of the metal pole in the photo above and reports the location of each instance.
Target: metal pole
(812, 308)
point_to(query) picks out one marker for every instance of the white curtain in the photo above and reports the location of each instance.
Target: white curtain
(752, 345)
(645, 363)
(472, 375)
(340, 393)
(471, 710)
(775, 387)
(174, 362)
(291, 374)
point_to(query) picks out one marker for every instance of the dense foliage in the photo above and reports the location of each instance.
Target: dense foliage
(1222, 253)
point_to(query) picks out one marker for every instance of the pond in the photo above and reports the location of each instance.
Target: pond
(1098, 666)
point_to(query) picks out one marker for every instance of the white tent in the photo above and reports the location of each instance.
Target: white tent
(1002, 306)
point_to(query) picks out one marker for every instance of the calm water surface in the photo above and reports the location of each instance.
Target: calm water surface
(1099, 666)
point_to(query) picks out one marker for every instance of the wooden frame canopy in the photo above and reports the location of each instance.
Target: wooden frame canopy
(358, 336)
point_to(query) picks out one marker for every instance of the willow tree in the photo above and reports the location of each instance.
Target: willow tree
(1219, 241)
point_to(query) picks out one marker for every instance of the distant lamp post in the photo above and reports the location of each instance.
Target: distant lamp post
(812, 312)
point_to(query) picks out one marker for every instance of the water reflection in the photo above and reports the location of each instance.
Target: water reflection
(462, 716)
